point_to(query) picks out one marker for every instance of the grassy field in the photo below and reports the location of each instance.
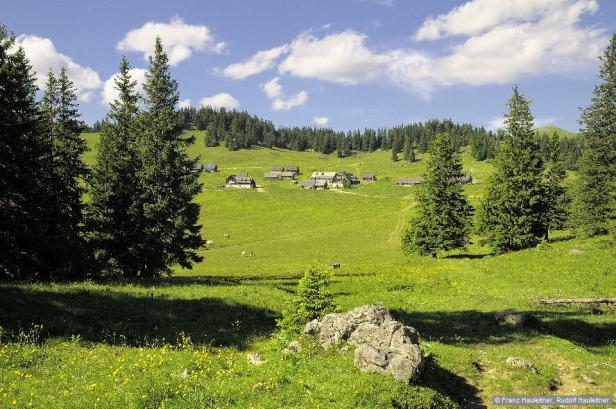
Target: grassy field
(182, 341)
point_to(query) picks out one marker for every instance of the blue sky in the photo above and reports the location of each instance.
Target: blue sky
(345, 64)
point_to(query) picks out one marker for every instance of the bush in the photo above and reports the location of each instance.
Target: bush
(312, 299)
(419, 397)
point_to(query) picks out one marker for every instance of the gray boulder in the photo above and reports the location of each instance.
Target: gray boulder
(383, 344)
(312, 328)
(294, 346)
(521, 363)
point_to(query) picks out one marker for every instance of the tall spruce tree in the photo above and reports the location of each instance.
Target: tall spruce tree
(394, 149)
(28, 206)
(60, 110)
(513, 214)
(594, 207)
(115, 214)
(407, 150)
(170, 231)
(443, 220)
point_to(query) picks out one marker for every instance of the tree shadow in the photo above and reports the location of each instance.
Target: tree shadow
(112, 317)
(449, 384)
(474, 327)
(467, 256)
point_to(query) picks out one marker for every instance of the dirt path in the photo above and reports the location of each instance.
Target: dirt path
(402, 221)
(358, 194)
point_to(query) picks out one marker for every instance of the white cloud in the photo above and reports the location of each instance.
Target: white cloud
(507, 44)
(496, 123)
(499, 123)
(43, 56)
(280, 102)
(477, 16)
(110, 93)
(185, 103)
(179, 39)
(220, 100)
(341, 58)
(261, 61)
(287, 104)
(273, 89)
(321, 120)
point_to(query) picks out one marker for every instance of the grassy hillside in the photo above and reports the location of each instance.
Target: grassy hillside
(562, 133)
(182, 341)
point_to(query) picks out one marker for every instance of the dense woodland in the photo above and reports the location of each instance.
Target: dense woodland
(141, 219)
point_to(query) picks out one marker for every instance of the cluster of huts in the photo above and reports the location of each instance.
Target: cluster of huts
(319, 180)
(278, 172)
(323, 180)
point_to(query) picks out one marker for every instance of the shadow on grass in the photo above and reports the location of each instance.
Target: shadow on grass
(474, 327)
(449, 384)
(467, 256)
(122, 318)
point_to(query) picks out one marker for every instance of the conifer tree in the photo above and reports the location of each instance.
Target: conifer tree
(28, 207)
(394, 150)
(513, 214)
(114, 215)
(407, 150)
(594, 207)
(443, 221)
(170, 231)
(64, 129)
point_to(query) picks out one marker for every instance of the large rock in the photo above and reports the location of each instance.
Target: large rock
(383, 344)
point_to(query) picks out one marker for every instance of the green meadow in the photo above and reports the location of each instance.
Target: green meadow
(182, 341)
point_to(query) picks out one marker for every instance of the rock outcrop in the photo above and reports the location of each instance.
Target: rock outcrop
(383, 344)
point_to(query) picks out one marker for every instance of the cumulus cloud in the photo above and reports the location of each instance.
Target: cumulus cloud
(220, 100)
(110, 93)
(261, 61)
(280, 102)
(178, 38)
(503, 44)
(43, 56)
(477, 16)
(342, 58)
(185, 103)
(321, 120)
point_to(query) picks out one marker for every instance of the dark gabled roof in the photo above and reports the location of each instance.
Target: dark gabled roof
(308, 183)
(210, 166)
(467, 178)
(409, 181)
(320, 183)
(240, 178)
(278, 168)
(287, 174)
(293, 168)
(271, 175)
(369, 175)
(197, 167)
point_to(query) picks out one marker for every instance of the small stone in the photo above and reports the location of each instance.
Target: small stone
(588, 380)
(183, 374)
(293, 347)
(521, 363)
(575, 252)
(312, 328)
(255, 358)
